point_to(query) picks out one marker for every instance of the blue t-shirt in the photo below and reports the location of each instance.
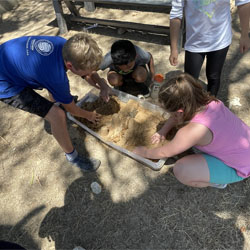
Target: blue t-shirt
(35, 62)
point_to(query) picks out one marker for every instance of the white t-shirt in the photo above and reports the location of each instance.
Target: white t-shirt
(208, 23)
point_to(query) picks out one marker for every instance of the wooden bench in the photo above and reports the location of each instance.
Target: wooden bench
(161, 6)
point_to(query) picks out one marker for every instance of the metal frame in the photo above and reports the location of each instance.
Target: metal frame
(124, 97)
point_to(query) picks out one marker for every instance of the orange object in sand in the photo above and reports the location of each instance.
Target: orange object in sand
(159, 78)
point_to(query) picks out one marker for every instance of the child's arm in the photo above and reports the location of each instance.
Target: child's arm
(188, 136)
(91, 82)
(175, 25)
(74, 110)
(100, 83)
(151, 66)
(244, 14)
(161, 134)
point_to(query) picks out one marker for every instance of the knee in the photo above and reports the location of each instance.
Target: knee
(140, 75)
(59, 115)
(115, 80)
(181, 172)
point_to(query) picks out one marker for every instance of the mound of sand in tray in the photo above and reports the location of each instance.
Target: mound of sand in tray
(126, 124)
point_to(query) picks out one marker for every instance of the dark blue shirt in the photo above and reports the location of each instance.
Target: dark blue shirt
(35, 62)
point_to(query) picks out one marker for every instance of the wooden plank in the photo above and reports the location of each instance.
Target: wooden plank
(133, 2)
(60, 16)
(127, 25)
(142, 8)
(72, 7)
(89, 6)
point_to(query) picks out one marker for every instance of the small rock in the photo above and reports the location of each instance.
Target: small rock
(96, 187)
(79, 248)
(234, 102)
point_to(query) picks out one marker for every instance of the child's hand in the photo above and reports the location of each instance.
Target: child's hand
(140, 151)
(93, 117)
(244, 44)
(105, 93)
(152, 77)
(173, 58)
(157, 137)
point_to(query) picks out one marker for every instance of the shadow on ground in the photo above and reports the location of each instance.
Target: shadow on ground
(19, 233)
(181, 217)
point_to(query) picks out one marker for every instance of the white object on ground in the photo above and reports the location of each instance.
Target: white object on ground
(234, 102)
(96, 187)
(90, 27)
(79, 248)
(142, 97)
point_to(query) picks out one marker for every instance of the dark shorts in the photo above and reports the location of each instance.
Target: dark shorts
(129, 75)
(28, 100)
(131, 87)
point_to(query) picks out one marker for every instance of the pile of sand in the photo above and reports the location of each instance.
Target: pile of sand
(126, 124)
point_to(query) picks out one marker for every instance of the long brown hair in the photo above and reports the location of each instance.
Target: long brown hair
(185, 93)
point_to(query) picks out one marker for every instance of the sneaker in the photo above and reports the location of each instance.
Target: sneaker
(220, 186)
(86, 164)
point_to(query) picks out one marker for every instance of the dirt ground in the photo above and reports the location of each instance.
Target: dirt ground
(47, 204)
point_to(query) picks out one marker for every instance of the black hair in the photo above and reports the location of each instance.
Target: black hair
(123, 52)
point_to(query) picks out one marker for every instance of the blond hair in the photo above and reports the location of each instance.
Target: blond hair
(185, 93)
(83, 52)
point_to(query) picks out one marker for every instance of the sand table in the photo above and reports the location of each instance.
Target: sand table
(126, 124)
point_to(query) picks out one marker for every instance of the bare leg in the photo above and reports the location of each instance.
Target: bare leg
(57, 118)
(115, 79)
(193, 171)
(140, 74)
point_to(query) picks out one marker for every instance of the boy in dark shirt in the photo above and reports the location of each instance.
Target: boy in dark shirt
(128, 67)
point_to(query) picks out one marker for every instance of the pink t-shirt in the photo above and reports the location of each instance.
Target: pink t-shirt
(231, 137)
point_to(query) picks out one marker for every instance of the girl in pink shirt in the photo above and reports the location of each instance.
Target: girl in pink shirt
(205, 123)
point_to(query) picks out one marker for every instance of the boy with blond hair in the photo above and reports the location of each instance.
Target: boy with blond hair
(37, 62)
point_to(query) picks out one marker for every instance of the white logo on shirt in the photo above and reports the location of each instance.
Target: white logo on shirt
(44, 47)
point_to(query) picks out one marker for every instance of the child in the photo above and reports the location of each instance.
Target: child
(36, 62)
(208, 35)
(207, 125)
(127, 63)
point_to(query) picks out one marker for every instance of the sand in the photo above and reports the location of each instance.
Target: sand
(126, 124)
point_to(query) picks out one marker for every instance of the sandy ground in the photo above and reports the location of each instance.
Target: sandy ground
(47, 204)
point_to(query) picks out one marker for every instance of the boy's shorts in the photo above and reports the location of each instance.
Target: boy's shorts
(28, 100)
(131, 87)
(220, 173)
